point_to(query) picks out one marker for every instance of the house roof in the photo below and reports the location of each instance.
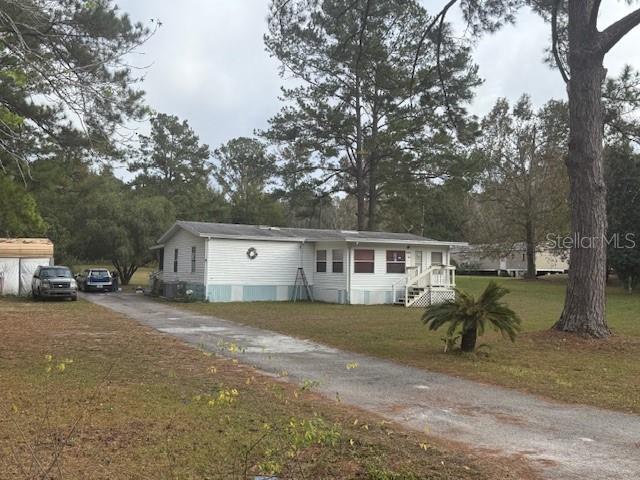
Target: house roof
(26, 247)
(258, 232)
(498, 249)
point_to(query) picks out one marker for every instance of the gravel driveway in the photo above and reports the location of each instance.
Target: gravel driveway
(565, 441)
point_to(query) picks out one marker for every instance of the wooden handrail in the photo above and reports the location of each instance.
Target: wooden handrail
(447, 270)
(428, 273)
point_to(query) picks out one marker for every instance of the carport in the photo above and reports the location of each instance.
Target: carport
(19, 257)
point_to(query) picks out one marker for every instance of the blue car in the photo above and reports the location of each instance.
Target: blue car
(95, 280)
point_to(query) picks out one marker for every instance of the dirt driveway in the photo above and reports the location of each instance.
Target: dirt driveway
(566, 441)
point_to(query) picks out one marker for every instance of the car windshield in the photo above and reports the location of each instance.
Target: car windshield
(58, 272)
(101, 274)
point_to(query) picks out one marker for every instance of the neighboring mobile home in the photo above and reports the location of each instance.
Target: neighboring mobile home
(496, 260)
(19, 258)
(227, 262)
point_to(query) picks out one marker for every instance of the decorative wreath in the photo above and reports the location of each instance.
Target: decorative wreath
(252, 253)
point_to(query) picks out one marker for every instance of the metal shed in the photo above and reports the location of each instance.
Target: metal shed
(19, 257)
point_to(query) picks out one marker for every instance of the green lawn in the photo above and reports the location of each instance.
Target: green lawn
(602, 373)
(111, 399)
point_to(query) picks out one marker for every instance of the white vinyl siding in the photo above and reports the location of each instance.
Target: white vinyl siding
(276, 264)
(379, 279)
(377, 287)
(223, 266)
(329, 286)
(184, 242)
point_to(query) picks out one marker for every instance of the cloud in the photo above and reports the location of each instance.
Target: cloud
(209, 65)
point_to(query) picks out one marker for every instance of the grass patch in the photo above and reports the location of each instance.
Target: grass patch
(562, 367)
(150, 406)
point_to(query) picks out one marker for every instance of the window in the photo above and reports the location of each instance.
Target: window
(396, 261)
(175, 260)
(363, 261)
(193, 259)
(99, 275)
(337, 261)
(55, 272)
(436, 258)
(161, 260)
(321, 261)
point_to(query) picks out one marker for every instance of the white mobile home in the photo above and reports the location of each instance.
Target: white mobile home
(225, 262)
(497, 260)
(19, 258)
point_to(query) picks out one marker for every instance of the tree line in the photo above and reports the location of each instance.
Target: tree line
(374, 133)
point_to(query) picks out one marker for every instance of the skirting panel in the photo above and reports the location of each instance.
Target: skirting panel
(330, 295)
(259, 293)
(219, 293)
(371, 297)
(252, 293)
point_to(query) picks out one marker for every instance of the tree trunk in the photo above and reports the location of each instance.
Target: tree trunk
(373, 173)
(361, 197)
(469, 338)
(125, 272)
(584, 308)
(361, 188)
(531, 251)
(372, 223)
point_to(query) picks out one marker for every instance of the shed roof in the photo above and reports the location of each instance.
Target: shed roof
(26, 247)
(258, 232)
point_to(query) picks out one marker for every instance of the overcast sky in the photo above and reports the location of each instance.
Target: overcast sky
(207, 62)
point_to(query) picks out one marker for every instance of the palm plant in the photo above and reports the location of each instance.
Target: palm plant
(469, 316)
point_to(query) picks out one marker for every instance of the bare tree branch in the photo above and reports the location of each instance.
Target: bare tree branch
(617, 30)
(423, 38)
(554, 41)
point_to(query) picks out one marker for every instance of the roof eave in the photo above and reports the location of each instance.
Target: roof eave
(406, 242)
(185, 226)
(254, 238)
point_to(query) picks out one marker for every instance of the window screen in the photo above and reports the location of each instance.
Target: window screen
(363, 261)
(337, 261)
(396, 261)
(321, 261)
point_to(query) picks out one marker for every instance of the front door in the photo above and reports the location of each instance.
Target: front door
(417, 261)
